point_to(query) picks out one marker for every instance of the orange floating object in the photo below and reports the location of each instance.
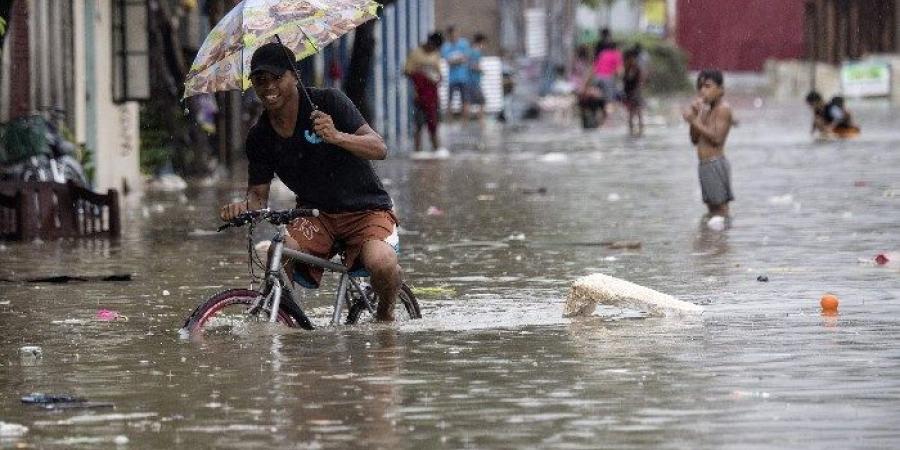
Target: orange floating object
(829, 303)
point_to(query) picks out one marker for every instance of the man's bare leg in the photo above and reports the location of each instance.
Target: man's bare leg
(380, 261)
(435, 140)
(417, 139)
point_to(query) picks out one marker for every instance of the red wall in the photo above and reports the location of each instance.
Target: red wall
(739, 35)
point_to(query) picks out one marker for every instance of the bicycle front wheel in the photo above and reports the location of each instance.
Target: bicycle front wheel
(406, 308)
(230, 311)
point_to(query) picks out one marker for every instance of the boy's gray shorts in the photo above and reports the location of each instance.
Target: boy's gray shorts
(715, 181)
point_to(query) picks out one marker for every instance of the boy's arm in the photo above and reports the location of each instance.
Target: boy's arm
(718, 129)
(695, 135)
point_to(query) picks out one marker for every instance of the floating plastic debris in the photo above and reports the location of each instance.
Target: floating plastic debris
(9, 430)
(716, 223)
(31, 351)
(785, 199)
(107, 315)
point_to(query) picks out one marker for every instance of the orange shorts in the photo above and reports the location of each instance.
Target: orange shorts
(318, 236)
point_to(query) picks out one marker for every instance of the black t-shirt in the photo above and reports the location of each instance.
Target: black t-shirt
(322, 175)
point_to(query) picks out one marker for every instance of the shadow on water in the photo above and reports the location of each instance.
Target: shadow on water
(491, 241)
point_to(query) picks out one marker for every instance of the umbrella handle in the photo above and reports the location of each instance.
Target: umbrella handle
(297, 74)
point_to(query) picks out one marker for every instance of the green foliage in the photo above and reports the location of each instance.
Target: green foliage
(156, 143)
(668, 63)
(2, 26)
(597, 3)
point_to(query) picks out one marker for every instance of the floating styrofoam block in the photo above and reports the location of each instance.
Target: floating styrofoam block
(587, 292)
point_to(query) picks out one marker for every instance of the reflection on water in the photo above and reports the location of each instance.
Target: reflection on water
(492, 363)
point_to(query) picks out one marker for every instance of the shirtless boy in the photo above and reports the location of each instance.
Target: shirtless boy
(710, 119)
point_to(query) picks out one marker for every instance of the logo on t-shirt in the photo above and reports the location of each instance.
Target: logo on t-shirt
(312, 137)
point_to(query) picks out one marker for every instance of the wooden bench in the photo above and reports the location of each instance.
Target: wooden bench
(48, 210)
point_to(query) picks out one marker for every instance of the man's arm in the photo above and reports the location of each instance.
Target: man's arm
(365, 143)
(718, 129)
(257, 198)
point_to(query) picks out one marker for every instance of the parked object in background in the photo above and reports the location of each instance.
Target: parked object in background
(32, 148)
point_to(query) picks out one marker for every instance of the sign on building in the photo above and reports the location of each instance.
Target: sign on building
(866, 79)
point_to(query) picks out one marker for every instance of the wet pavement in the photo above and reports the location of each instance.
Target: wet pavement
(493, 364)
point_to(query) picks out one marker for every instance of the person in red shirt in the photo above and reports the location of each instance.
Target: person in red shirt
(423, 68)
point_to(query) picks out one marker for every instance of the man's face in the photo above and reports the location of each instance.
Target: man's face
(273, 90)
(710, 92)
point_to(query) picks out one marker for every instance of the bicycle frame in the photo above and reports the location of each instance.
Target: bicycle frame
(276, 278)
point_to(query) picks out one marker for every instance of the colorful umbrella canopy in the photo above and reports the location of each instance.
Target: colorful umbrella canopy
(304, 26)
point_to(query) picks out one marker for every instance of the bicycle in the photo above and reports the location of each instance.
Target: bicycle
(275, 300)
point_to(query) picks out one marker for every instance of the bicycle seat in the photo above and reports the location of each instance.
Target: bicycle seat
(358, 270)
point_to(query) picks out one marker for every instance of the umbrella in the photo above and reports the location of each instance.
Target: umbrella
(304, 26)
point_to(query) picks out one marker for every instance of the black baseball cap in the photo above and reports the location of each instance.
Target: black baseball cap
(272, 58)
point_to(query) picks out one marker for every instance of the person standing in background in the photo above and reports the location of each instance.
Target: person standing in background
(710, 120)
(456, 52)
(476, 94)
(423, 67)
(607, 69)
(632, 82)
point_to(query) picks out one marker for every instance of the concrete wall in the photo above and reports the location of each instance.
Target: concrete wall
(739, 35)
(111, 130)
(470, 17)
(791, 80)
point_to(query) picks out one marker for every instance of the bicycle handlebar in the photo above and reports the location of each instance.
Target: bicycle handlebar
(275, 217)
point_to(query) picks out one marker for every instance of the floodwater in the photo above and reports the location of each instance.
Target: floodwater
(493, 364)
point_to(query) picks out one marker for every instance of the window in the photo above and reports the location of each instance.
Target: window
(131, 63)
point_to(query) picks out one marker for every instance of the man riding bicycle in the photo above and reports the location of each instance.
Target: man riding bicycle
(323, 156)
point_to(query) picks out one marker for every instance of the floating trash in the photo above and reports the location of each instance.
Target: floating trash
(539, 191)
(434, 291)
(587, 292)
(884, 258)
(62, 401)
(40, 398)
(554, 157)
(31, 351)
(619, 245)
(9, 430)
(109, 315)
(785, 199)
(829, 304)
(434, 211)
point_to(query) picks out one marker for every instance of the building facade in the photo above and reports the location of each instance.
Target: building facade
(740, 35)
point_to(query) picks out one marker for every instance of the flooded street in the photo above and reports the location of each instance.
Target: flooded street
(492, 238)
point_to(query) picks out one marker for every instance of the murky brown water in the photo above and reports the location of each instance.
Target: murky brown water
(493, 364)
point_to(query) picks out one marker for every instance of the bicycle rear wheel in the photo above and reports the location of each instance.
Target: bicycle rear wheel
(229, 311)
(406, 308)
